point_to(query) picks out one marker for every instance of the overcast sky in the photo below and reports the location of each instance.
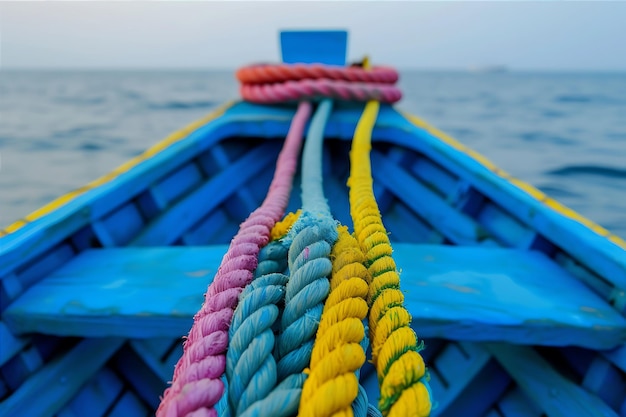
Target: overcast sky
(523, 35)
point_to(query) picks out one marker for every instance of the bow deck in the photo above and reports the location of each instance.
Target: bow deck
(457, 293)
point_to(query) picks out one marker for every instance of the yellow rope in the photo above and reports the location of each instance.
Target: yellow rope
(281, 228)
(400, 367)
(332, 385)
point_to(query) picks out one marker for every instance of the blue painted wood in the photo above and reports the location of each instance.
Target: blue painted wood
(434, 176)
(215, 228)
(22, 254)
(10, 288)
(475, 293)
(504, 227)
(247, 119)
(120, 226)
(617, 356)
(606, 381)
(147, 385)
(456, 226)
(129, 405)
(173, 223)
(146, 351)
(463, 293)
(20, 247)
(319, 46)
(474, 397)
(44, 265)
(177, 184)
(59, 381)
(95, 398)
(336, 194)
(516, 404)
(85, 238)
(404, 226)
(130, 292)
(148, 205)
(556, 395)
(593, 280)
(589, 248)
(21, 366)
(246, 199)
(4, 390)
(458, 370)
(243, 202)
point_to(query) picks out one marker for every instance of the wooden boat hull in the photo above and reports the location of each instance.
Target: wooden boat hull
(521, 302)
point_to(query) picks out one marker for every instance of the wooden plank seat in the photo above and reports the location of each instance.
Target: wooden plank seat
(456, 293)
(51, 387)
(556, 395)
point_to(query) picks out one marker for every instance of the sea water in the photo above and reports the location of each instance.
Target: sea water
(565, 133)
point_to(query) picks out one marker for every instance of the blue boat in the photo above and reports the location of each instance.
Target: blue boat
(520, 301)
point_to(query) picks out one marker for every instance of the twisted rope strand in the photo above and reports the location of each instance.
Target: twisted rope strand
(309, 89)
(338, 352)
(196, 385)
(249, 393)
(401, 370)
(261, 74)
(310, 241)
(250, 365)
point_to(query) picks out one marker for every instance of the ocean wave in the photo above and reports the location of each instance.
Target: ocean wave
(598, 170)
(90, 147)
(181, 105)
(462, 132)
(39, 145)
(616, 135)
(589, 99)
(81, 100)
(77, 131)
(547, 138)
(553, 114)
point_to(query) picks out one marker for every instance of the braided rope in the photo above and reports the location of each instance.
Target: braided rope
(262, 74)
(196, 385)
(254, 317)
(250, 365)
(401, 369)
(256, 395)
(310, 241)
(308, 89)
(337, 352)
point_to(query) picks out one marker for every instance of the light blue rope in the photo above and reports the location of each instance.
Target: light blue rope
(252, 370)
(315, 210)
(250, 364)
(282, 401)
(310, 241)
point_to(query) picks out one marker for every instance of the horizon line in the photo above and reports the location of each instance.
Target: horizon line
(502, 69)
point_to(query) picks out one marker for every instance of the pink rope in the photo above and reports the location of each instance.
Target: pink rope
(196, 385)
(321, 88)
(260, 74)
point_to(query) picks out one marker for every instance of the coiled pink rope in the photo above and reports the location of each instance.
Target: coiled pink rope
(315, 89)
(264, 73)
(196, 385)
(283, 83)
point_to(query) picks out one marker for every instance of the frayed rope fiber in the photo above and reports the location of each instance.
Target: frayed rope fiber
(404, 389)
(197, 384)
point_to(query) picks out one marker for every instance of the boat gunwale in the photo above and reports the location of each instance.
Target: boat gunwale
(485, 176)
